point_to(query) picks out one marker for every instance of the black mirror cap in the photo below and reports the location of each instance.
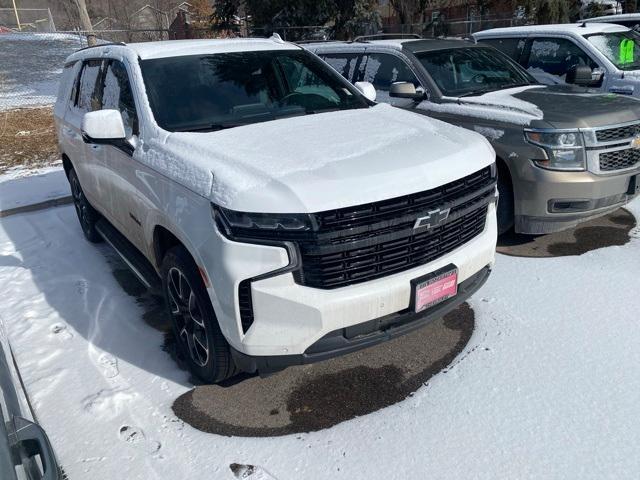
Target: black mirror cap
(580, 75)
(405, 90)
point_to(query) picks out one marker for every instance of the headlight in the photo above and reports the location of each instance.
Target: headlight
(260, 224)
(564, 149)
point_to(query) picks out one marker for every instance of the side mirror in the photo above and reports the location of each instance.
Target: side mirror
(406, 90)
(580, 75)
(103, 127)
(367, 90)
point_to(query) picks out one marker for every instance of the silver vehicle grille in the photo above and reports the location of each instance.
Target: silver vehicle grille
(618, 133)
(612, 150)
(619, 160)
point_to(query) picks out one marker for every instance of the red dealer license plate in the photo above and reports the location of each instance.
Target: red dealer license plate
(434, 288)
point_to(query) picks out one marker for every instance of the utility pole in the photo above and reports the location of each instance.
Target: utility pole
(85, 22)
(15, 10)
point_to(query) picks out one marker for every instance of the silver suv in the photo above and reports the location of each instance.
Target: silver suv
(564, 155)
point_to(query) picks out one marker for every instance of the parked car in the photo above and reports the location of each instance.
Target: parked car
(563, 156)
(629, 20)
(551, 52)
(25, 451)
(602, 7)
(287, 217)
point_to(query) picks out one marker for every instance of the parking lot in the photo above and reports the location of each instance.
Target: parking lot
(529, 374)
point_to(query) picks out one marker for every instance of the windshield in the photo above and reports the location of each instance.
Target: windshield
(469, 71)
(621, 48)
(213, 92)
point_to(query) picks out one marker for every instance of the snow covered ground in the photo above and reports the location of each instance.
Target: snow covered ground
(31, 66)
(20, 186)
(548, 386)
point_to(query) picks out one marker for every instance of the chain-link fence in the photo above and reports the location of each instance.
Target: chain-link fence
(32, 61)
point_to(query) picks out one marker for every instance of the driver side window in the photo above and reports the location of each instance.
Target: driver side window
(383, 69)
(555, 56)
(117, 95)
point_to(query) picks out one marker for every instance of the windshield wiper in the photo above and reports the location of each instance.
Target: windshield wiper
(208, 127)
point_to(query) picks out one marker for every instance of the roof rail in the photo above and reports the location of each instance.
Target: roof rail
(101, 45)
(387, 36)
(320, 41)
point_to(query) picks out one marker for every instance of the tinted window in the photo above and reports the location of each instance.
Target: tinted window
(344, 63)
(621, 48)
(212, 92)
(556, 56)
(509, 46)
(384, 69)
(89, 86)
(117, 95)
(468, 71)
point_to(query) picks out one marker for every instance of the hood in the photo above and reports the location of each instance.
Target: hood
(557, 106)
(566, 106)
(321, 162)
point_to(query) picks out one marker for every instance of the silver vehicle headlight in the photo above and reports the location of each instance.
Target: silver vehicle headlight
(564, 149)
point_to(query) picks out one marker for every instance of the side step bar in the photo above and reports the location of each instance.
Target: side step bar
(139, 265)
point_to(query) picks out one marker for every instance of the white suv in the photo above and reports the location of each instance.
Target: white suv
(286, 216)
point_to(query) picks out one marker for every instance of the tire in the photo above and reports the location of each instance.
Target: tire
(195, 326)
(506, 209)
(87, 215)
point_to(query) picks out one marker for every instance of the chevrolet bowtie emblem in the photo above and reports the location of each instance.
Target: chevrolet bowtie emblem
(635, 143)
(432, 218)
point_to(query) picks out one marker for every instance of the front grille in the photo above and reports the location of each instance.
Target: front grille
(618, 133)
(358, 244)
(619, 160)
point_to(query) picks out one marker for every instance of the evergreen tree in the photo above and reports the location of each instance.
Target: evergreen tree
(224, 16)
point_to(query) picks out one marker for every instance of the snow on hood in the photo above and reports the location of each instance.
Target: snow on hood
(320, 162)
(500, 106)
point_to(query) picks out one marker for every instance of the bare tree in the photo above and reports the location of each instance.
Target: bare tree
(85, 22)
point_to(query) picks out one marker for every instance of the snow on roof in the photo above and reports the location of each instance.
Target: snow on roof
(178, 48)
(615, 18)
(570, 28)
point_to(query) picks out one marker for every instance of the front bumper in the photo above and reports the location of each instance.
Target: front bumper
(288, 318)
(347, 340)
(550, 201)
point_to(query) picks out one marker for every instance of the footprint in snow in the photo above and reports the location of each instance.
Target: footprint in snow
(136, 437)
(60, 331)
(109, 365)
(250, 472)
(82, 286)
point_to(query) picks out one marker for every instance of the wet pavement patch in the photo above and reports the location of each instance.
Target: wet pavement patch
(314, 397)
(606, 231)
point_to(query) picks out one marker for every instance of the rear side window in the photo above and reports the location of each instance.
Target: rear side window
(383, 69)
(89, 86)
(344, 63)
(512, 47)
(556, 56)
(117, 95)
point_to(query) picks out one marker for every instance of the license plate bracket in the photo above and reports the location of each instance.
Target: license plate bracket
(434, 288)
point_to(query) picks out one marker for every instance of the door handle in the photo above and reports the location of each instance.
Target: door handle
(34, 440)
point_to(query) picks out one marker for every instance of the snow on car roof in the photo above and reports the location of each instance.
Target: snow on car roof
(573, 28)
(178, 48)
(615, 18)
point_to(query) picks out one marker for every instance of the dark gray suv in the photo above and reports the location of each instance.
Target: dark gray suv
(564, 154)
